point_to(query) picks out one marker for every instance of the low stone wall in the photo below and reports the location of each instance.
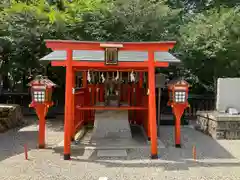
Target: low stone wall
(10, 116)
(219, 125)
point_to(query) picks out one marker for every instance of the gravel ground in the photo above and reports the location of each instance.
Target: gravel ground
(215, 159)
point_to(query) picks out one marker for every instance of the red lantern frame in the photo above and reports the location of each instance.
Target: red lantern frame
(178, 107)
(41, 93)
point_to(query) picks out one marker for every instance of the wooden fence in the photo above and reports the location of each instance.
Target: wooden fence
(197, 102)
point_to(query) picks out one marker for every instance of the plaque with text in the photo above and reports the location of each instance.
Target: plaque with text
(111, 56)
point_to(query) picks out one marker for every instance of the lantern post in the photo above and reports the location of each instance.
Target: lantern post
(178, 100)
(41, 93)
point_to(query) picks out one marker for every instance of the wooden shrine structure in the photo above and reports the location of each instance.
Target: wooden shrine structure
(125, 81)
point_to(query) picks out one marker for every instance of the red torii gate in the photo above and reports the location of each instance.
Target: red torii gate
(148, 65)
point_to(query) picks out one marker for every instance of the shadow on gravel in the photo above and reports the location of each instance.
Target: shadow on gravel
(175, 165)
(56, 124)
(206, 146)
(13, 141)
(167, 166)
(170, 158)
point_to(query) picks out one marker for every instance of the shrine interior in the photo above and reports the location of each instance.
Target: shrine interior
(114, 88)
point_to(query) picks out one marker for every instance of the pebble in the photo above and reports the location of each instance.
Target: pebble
(216, 160)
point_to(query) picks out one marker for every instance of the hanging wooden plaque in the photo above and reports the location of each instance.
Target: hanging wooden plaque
(111, 56)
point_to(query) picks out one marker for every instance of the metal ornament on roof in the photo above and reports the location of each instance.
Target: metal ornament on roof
(177, 82)
(40, 79)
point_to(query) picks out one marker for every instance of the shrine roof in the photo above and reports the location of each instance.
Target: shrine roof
(98, 55)
(178, 81)
(97, 42)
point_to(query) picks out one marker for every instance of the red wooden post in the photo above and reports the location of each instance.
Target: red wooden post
(178, 110)
(101, 93)
(140, 79)
(93, 93)
(97, 93)
(135, 100)
(42, 128)
(178, 131)
(194, 153)
(41, 113)
(68, 106)
(152, 105)
(84, 79)
(129, 94)
(73, 106)
(26, 151)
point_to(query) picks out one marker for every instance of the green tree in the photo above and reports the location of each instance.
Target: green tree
(201, 5)
(210, 45)
(207, 32)
(136, 20)
(25, 27)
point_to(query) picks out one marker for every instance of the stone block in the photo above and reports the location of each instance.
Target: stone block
(111, 124)
(10, 117)
(219, 125)
(232, 134)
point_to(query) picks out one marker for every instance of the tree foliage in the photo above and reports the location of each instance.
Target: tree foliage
(207, 33)
(210, 45)
(137, 20)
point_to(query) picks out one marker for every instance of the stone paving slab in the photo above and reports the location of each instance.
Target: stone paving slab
(112, 153)
(87, 142)
(109, 144)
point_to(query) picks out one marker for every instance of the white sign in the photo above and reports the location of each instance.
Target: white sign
(228, 93)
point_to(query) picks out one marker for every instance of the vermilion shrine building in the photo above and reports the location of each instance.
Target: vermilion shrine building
(112, 61)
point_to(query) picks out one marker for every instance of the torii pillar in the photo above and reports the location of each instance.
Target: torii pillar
(68, 114)
(152, 105)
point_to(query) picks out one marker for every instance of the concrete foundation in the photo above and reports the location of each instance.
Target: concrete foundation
(112, 131)
(111, 124)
